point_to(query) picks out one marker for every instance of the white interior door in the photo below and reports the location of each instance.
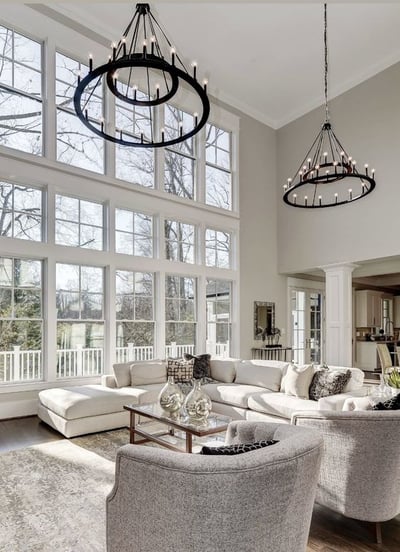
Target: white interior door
(307, 325)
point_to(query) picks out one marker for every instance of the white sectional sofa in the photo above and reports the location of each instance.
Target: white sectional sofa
(243, 389)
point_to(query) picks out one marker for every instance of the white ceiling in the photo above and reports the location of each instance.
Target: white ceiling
(266, 58)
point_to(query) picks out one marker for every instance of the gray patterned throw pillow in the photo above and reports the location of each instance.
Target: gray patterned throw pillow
(327, 382)
(180, 369)
(201, 367)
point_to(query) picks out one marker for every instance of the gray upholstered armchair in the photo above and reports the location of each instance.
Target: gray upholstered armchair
(360, 471)
(259, 501)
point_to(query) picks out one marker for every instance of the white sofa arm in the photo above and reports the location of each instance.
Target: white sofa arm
(336, 402)
(108, 381)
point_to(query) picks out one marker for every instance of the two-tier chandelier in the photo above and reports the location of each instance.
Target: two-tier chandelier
(327, 163)
(144, 70)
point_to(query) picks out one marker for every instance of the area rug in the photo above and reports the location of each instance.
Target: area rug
(53, 495)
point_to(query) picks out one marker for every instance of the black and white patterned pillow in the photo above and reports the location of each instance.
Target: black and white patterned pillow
(201, 368)
(390, 404)
(327, 382)
(229, 450)
(181, 370)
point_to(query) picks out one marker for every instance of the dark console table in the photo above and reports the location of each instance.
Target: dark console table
(271, 353)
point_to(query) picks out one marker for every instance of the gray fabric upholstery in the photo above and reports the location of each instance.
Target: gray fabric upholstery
(360, 471)
(260, 501)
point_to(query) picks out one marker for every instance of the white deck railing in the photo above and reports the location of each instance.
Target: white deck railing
(18, 366)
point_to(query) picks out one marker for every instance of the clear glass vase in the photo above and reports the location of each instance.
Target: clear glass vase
(381, 392)
(171, 397)
(198, 403)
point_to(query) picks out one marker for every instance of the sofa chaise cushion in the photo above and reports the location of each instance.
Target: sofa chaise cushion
(279, 404)
(232, 393)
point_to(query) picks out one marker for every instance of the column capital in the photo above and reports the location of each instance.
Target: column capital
(337, 267)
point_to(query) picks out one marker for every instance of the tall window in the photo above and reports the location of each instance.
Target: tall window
(133, 233)
(179, 241)
(20, 92)
(76, 144)
(20, 211)
(179, 158)
(135, 315)
(21, 320)
(219, 309)
(218, 248)
(79, 223)
(133, 164)
(80, 320)
(180, 315)
(218, 167)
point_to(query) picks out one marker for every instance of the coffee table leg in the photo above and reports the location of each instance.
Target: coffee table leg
(188, 442)
(132, 432)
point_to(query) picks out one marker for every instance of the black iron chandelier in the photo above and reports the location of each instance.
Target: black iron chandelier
(326, 163)
(144, 70)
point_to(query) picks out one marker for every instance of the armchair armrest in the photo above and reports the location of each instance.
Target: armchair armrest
(108, 381)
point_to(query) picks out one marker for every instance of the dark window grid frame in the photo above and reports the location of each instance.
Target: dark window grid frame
(17, 212)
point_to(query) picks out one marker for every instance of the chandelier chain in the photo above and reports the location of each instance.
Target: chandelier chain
(326, 62)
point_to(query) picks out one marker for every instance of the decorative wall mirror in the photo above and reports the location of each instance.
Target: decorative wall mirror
(264, 319)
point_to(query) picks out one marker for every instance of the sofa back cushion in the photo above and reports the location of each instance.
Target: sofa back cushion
(224, 369)
(122, 374)
(262, 373)
(143, 373)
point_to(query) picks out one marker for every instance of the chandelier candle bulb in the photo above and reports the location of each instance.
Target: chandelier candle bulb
(180, 128)
(309, 163)
(135, 89)
(196, 116)
(152, 41)
(305, 200)
(162, 134)
(194, 65)
(86, 114)
(205, 82)
(350, 194)
(336, 198)
(173, 51)
(90, 62)
(366, 169)
(144, 48)
(102, 125)
(123, 46)
(295, 198)
(158, 91)
(114, 51)
(320, 200)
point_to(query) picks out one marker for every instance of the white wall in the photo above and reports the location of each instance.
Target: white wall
(367, 122)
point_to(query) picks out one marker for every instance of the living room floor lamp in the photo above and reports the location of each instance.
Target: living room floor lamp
(322, 180)
(143, 72)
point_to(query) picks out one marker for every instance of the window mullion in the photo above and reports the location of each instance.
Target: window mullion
(49, 99)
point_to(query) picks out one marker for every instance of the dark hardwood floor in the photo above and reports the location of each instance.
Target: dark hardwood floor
(330, 532)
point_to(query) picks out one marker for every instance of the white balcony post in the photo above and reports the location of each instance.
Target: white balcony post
(16, 363)
(79, 360)
(130, 352)
(174, 351)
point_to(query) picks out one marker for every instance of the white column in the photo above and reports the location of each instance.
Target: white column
(338, 314)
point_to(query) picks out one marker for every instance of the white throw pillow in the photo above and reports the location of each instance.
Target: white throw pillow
(122, 374)
(297, 380)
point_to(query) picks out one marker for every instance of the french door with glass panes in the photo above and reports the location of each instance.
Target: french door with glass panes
(307, 325)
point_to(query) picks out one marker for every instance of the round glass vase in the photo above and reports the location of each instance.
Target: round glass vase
(171, 397)
(198, 404)
(381, 392)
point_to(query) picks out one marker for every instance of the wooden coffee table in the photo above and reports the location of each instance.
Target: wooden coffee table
(215, 424)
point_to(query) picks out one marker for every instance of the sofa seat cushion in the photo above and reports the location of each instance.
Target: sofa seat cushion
(94, 400)
(232, 393)
(279, 404)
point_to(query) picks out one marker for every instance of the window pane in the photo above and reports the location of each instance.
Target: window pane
(20, 320)
(134, 165)
(86, 230)
(179, 174)
(218, 294)
(179, 241)
(124, 243)
(218, 188)
(21, 119)
(80, 347)
(20, 212)
(137, 235)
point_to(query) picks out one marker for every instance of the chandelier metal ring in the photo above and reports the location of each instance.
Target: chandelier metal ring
(138, 60)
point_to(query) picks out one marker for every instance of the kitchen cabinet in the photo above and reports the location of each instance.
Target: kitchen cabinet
(368, 308)
(396, 311)
(367, 358)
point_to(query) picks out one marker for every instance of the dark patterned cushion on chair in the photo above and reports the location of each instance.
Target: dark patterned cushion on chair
(390, 404)
(327, 382)
(230, 450)
(201, 368)
(180, 369)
